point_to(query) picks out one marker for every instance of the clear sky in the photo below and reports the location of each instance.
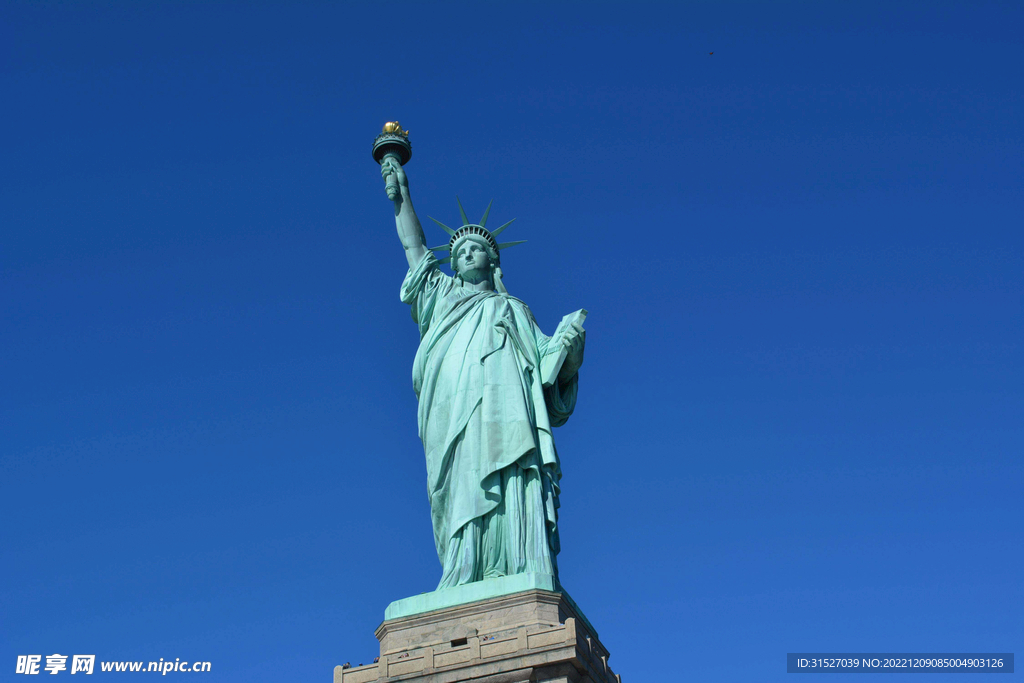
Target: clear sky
(799, 424)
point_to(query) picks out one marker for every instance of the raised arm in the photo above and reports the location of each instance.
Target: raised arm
(409, 229)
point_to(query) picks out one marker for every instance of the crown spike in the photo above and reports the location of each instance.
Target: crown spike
(443, 247)
(465, 221)
(483, 221)
(445, 260)
(506, 245)
(497, 231)
(443, 226)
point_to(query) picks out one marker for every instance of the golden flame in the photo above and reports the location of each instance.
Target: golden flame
(395, 127)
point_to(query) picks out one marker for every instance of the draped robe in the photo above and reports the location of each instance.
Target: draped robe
(485, 420)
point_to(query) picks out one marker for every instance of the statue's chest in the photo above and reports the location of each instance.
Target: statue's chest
(477, 319)
(476, 306)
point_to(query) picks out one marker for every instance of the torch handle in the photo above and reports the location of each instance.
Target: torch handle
(391, 183)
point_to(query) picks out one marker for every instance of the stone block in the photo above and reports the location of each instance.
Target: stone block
(531, 636)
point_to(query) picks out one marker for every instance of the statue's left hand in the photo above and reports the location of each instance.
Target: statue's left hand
(575, 340)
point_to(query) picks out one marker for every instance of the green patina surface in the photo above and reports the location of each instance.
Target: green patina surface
(492, 387)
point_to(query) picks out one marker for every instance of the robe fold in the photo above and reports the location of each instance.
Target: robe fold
(485, 420)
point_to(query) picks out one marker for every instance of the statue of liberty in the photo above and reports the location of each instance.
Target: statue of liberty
(491, 387)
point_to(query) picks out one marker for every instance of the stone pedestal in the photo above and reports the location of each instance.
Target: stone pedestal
(531, 636)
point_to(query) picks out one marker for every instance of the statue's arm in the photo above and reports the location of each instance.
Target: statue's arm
(410, 232)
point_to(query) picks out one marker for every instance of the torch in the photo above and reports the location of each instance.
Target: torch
(393, 142)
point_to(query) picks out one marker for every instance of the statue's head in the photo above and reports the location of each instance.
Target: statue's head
(474, 256)
(473, 251)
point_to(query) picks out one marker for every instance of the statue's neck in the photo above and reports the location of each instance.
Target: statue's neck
(482, 286)
(477, 280)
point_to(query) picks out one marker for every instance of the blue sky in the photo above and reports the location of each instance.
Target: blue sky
(799, 424)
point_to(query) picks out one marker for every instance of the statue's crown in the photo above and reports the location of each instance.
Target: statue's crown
(474, 230)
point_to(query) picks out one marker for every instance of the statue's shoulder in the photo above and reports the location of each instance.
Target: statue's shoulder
(522, 308)
(518, 302)
(428, 272)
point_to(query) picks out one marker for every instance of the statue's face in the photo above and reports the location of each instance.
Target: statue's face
(472, 261)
